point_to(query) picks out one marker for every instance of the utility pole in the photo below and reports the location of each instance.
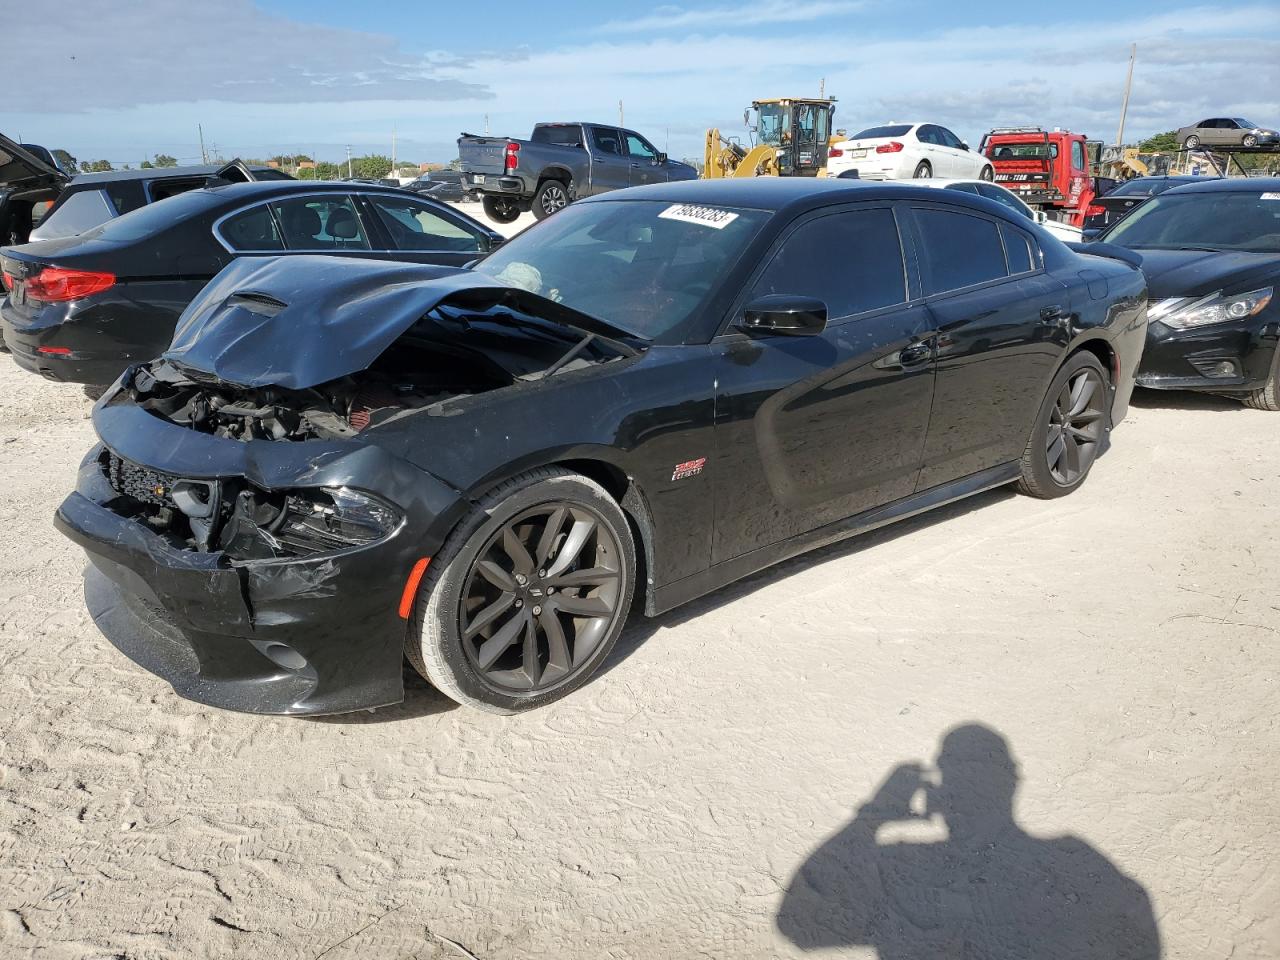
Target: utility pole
(1124, 107)
(204, 157)
(348, 161)
(822, 88)
(393, 152)
(486, 124)
(621, 121)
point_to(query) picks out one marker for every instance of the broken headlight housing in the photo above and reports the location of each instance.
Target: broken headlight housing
(306, 523)
(1182, 313)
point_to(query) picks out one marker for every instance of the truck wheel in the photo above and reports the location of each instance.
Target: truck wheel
(923, 170)
(1191, 143)
(552, 197)
(1249, 140)
(500, 209)
(987, 174)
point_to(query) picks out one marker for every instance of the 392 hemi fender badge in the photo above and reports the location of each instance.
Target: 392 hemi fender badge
(690, 468)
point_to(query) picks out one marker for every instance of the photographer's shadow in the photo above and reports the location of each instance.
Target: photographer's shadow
(940, 869)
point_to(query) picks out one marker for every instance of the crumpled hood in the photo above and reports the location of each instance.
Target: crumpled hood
(1195, 273)
(299, 321)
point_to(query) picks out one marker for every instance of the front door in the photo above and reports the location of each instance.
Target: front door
(645, 167)
(810, 430)
(610, 168)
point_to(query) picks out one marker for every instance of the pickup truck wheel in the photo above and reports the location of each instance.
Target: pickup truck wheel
(923, 170)
(1191, 143)
(987, 174)
(552, 197)
(500, 209)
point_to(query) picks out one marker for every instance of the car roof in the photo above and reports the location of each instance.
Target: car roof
(156, 173)
(785, 193)
(270, 188)
(1230, 185)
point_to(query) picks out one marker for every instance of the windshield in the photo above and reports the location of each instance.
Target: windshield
(1245, 123)
(774, 121)
(1247, 220)
(883, 133)
(645, 265)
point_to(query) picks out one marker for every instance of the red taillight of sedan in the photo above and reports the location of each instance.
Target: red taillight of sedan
(893, 146)
(1094, 210)
(835, 152)
(57, 284)
(8, 281)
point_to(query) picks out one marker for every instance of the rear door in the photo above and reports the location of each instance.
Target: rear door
(810, 430)
(610, 166)
(1001, 328)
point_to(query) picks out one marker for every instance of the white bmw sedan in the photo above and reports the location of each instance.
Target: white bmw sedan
(900, 151)
(1063, 231)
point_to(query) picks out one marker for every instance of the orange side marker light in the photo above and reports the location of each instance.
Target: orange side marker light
(411, 587)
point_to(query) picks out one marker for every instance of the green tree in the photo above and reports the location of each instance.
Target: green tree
(164, 160)
(95, 166)
(1160, 142)
(65, 160)
(146, 165)
(372, 167)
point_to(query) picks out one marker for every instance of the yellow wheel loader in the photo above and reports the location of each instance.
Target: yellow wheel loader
(790, 138)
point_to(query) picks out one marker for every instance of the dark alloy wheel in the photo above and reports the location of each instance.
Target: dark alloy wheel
(1070, 430)
(500, 210)
(1191, 143)
(923, 170)
(527, 596)
(987, 174)
(552, 197)
(540, 597)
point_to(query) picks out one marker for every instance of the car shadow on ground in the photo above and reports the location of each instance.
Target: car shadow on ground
(421, 699)
(935, 866)
(1184, 400)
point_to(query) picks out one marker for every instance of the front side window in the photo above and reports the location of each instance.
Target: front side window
(949, 139)
(775, 122)
(960, 249)
(851, 261)
(1077, 155)
(320, 223)
(637, 146)
(415, 226)
(251, 230)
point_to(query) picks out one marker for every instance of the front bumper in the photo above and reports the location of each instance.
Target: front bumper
(313, 635)
(1190, 359)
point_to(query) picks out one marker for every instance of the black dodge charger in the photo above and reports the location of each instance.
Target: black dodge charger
(653, 393)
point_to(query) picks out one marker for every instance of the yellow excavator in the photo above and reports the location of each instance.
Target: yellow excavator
(790, 138)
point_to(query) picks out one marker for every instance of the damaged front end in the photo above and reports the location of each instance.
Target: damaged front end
(251, 539)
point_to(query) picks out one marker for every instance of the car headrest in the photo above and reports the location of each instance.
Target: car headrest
(301, 221)
(342, 224)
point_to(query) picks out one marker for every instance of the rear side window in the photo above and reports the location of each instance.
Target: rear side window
(320, 223)
(1018, 250)
(566, 136)
(606, 140)
(252, 229)
(960, 250)
(852, 261)
(81, 211)
(163, 189)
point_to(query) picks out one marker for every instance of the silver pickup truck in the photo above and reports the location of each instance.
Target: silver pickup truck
(559, 162)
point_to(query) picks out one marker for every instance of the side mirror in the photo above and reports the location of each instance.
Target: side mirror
(1041, 216)
(964, 145)
(662, 158)
(784, 315)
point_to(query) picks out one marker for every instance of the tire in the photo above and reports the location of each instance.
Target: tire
(1191, 143)
(987, 174)
(551, 197)
(462, 585)
(1249, 140)
(1046, 472)
(923, 170)
(500, 210)
(1266, 397)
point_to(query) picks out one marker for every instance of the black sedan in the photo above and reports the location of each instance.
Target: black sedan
(82, 308)
(655, 392)
(1211, 253)
(1122, 199)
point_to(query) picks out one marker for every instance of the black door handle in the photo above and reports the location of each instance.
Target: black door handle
(1053, 313)
(916, 353)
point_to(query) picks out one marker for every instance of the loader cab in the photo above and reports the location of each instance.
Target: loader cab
(799, 131)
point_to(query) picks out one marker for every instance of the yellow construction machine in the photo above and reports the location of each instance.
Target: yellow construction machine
(790, 138)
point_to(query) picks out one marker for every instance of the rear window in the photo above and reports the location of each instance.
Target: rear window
(156, 217)
(81, 211)
(567, 136)
(880, 133)
(961, 250)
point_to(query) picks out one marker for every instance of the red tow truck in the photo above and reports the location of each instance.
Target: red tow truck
(1048, 170)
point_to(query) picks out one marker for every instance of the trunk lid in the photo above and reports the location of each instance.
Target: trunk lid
(483, 155)
(26, 167)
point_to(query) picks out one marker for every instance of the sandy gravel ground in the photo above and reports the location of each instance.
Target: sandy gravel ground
(720, 790)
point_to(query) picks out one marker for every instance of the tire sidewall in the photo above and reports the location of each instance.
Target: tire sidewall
(1191, 143)
(435, 624)
(500, 211)
(540, 212)
(924, 166)
(988, 175)
(1043, 476)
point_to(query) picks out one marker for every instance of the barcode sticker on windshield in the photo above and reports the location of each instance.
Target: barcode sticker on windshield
(1271, 196)
(704, 216)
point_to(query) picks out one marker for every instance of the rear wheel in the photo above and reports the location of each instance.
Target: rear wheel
(987, 174)
(500, 210)
(923, 170)
(552, 197)
(1249, 140)
(528, 595)
(1191, 143)
(1069, 430)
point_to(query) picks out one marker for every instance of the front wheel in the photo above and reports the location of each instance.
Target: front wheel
(500, 210)
(987, 174)
(1191, 143)
(527, 596)
(1249, 140)
(923, 170)
(1069, 430)
(1266, 397)
(552, 197)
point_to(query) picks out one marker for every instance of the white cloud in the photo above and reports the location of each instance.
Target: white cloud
(733, 17)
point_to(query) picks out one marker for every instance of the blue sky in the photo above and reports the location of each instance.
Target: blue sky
(125, 81)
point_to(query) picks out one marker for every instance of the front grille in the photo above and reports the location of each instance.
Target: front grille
(140, 483)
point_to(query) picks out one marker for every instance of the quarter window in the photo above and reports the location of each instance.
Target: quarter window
(961, 250)
(851, 261)
(415, 226)
(320, 223)
(252, 229)
(1018, 250)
